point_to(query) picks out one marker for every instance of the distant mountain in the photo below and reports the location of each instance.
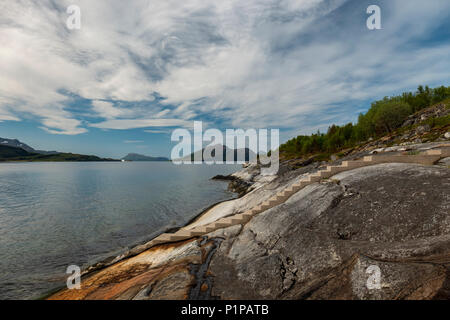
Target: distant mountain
(7, 152)
(233, 154)
(14, 150)
(18, 144)
(140, 157)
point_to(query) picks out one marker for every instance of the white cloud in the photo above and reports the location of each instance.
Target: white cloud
(60, 122)
(277, 63)
(125, 124)
(8, 117)
(157, 131)
(107, 110)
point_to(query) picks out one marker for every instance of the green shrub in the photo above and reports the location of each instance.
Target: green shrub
(384, 116)
(390, 115)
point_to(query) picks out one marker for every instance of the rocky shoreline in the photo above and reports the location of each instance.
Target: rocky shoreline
(139, 248)
(236, 185)
(316, 245)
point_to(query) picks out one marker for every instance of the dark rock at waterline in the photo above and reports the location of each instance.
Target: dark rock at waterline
(236, 184)
(224, 178)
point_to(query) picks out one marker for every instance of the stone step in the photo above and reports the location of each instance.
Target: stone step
(298, 184)
(146, 246)
(295, 187)
(256, 210)
(445, 152)
(247, 213)
(283, 195)
(306, 179)
(197, 232)
(433, 152)
(244, 216)
(182, 235)
(313, 179)
(162, 238)
(316, 174)
(265, 205)
(233, 220)
(219, 224)
(304, 184)
(354, 164)
(288, 192)
(278, 199)
(201, 230)
(419, 159)
(335, 169)
(324, 174)
(273, 200)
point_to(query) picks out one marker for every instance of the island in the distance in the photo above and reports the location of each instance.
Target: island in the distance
(14, 150)
(140, 157)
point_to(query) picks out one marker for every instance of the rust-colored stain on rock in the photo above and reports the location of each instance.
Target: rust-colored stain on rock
(139, 277)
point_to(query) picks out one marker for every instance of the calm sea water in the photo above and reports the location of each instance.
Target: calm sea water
(53, 215)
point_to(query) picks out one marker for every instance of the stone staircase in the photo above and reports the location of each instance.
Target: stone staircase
(428, 157)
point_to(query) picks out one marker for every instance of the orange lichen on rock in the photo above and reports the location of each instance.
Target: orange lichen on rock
(148, 275)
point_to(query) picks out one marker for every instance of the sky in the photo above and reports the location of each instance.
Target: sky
(138, 69)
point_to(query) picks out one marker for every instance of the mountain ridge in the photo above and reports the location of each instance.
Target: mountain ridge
(15, 150)
(141, 157)
(19, 144)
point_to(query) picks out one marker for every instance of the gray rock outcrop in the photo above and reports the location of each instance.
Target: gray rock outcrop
(320, 243)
